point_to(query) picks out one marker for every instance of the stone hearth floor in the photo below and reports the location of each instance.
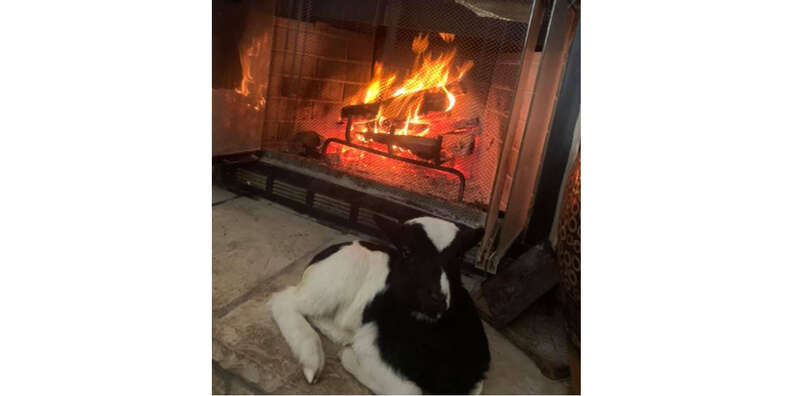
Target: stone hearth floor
(259, 247)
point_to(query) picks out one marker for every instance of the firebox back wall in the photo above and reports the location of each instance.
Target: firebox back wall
(314, 68)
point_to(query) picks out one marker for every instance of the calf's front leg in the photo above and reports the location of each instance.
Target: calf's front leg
(363, 361)
(331, 330)
(288, 309)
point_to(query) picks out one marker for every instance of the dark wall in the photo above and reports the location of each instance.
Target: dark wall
(228, 26)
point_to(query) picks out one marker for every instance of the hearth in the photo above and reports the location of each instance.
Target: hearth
(423, 104)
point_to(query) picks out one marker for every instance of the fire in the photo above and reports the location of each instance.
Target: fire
(447, 37)
(399, 112)
(246, 77)
(378, 84)
(420, 43)
(247, 57)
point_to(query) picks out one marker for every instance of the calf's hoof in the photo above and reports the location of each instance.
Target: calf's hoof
(313, 365)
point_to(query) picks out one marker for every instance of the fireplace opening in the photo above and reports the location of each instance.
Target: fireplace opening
(412, 94)
(396, 107)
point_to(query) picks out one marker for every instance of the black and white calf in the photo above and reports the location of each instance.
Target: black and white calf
(408, 324)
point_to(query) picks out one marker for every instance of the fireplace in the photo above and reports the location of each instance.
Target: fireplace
(399, 107)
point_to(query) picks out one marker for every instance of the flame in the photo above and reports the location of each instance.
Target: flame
(461, 70)
(378, 84)
(247, 56)
(433, 72)
(420, 43)
(451, 99)
(399, 112)
(429, 72)
(447, 37)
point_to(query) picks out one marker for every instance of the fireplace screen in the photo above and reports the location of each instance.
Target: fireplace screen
(413, 94)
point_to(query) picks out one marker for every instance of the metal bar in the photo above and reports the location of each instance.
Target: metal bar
(348, 131)
(521, 100)
(557, 151)
(452, 171)
(561, 30)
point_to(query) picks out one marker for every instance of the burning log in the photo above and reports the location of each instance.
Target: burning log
(461, 141)
(422, 147)
(397, 107)
(364, 110)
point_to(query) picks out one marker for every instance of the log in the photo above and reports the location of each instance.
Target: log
(422, 147)
(433, 99)
(460, 141)
(458, 145)
(365, 110)
(517, 286)
(305, 143)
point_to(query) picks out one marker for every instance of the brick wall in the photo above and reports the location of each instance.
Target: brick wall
(314, 67)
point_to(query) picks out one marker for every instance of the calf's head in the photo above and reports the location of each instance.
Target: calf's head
(430, 251)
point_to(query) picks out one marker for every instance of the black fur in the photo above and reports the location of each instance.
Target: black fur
(327, 252)
(445, 357)
(332, 249)
(376, 247)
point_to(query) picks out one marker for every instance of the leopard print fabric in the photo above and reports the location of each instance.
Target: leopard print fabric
(568, 252)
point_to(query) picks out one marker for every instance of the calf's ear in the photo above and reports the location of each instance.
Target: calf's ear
(393, 230)
(469, 237)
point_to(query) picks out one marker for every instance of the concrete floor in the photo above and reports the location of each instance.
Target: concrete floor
(259, 247)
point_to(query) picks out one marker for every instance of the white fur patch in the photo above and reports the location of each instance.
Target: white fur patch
(445, 288)
(424, 317)
(478, 388)
(439, 231)
(333, 293)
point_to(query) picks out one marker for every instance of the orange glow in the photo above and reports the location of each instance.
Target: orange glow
(461, 70)
(247, 57)
(245, 60)
(447, 37)
(399, 110)
(420, 43)
(378, 84)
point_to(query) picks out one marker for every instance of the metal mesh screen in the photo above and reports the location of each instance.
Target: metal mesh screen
(324, 54)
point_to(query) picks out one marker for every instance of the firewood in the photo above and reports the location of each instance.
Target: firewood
(397, 107)
(422, 147)
(461, 141)
(458, 145)
(365, 110)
